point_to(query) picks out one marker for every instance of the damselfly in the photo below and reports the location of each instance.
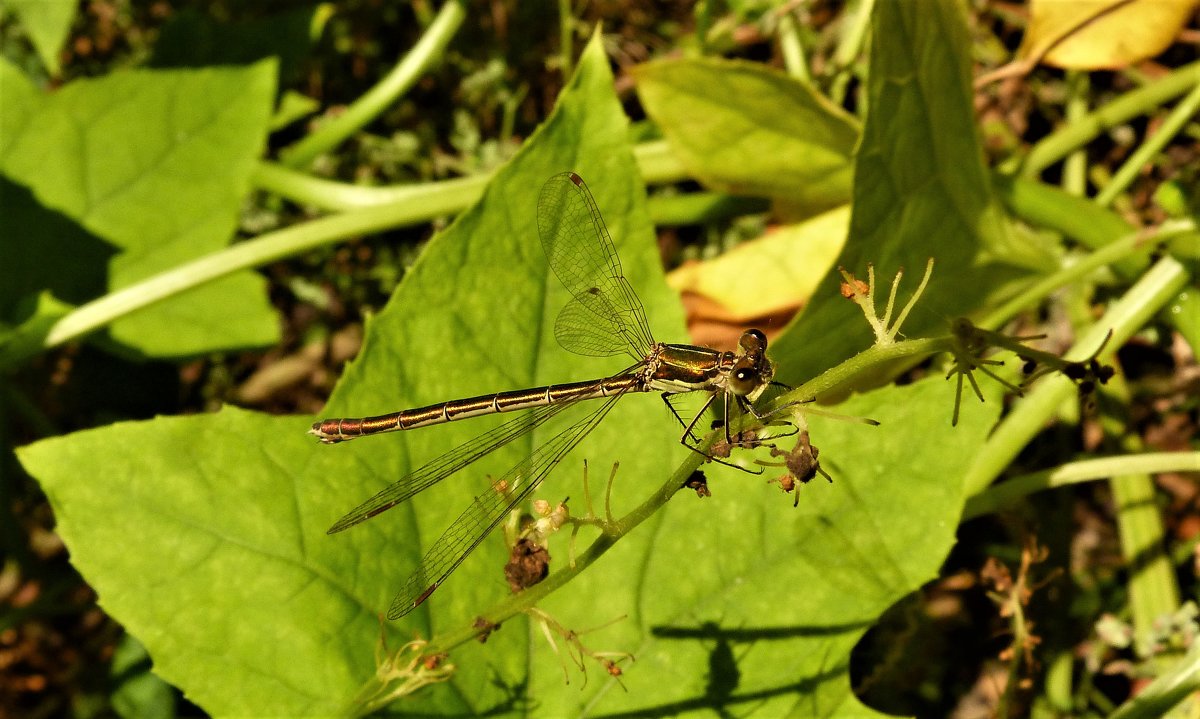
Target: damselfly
(603, 318)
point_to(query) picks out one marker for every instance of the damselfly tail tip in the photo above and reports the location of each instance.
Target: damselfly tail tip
(318, 430)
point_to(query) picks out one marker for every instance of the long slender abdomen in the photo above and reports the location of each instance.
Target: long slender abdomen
(331, 431)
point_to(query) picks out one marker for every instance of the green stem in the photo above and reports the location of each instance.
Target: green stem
(1076, 217)
(1077, 134)
(849, 49)
(1011, 492)
(566, 38)
(845, 375)
(1133, 243)
(1153, 590)
(701, 208)
(793, 52)
(244, 255)
(703, 13)
(518, 603)
(1125, 317)
(407, 205)
(446, 197)
(657, 164)
(1074, 179)
(427, 52)
(1176, 119)
(1094, 226)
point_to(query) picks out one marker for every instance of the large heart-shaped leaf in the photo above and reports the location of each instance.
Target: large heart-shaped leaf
(206, 535)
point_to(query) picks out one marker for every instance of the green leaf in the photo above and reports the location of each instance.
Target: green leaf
(744, 129)
(47, 22)
(234, 588)
(20, 100)
(920, 191)
(201, 539)
(155, 164)
(205, 535)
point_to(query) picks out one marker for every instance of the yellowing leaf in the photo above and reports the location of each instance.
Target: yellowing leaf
(1102, 34)
(765, 278)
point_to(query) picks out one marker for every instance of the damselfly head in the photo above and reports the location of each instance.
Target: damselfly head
(753, 342)
(752, 371)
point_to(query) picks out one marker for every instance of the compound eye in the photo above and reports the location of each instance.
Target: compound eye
(742, 381)
(753, 341)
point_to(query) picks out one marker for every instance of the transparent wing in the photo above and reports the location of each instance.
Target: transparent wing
(488, 510)
(582, 255)
(583, 331)
(447, 464)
